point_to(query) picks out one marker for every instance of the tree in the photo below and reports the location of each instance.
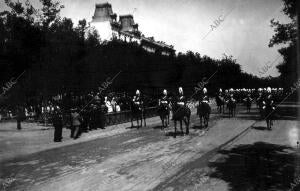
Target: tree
(286, 34)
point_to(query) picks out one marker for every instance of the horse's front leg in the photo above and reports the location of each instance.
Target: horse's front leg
(207, 119)
(137, 122)
(200, 121)
(186, 121)
(162, 122)
(168, 122)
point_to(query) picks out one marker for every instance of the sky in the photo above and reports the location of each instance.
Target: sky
(243, 32)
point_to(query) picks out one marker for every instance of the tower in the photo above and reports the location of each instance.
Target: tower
(102, 19)
(102, 13)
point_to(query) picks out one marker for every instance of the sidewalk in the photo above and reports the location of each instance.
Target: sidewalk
(35, 138)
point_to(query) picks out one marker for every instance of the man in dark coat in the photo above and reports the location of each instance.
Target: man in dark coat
(93, 117)
(20, 117)
(76, 122)
(57, 123)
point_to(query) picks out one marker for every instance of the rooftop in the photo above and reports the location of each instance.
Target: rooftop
(129, 15)
(102, 5)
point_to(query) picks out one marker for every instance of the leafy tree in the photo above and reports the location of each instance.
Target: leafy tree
(286, 34)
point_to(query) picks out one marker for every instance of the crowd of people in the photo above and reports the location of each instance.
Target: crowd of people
(83, 113)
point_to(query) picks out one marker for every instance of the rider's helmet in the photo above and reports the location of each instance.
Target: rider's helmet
(180, 90)
(165, 92)
(137, 92)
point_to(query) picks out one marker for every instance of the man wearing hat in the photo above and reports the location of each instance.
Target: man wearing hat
(57, 123)
(100, 113)
(76, 121)
(93, 117)
(20, 116)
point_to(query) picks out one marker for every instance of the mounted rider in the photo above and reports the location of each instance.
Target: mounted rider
(269, 107)
(180, 104)
(181, 100)
(164, 101)
(204, 97)
(164, 108)
(137, 100)
(226, 95)
(231, 103)
(259, 101)
(204, 109)
(220, 100)
(248, 100)
(220, 94)
(137, 109)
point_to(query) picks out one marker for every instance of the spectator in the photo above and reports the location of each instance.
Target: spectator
(20, 117)
(108, 105)
(58, 124)
(76, 121)
(113, 104)
(118, 109)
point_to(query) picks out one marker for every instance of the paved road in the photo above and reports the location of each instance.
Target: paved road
(235, 154)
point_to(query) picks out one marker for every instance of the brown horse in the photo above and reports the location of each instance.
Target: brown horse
(164, 114)
(138, 113)
(231, 104)
(180, 113)
(203, 112)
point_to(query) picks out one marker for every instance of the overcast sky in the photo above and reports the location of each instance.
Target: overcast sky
(186, 24)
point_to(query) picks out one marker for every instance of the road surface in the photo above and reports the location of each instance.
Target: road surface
(234, 154)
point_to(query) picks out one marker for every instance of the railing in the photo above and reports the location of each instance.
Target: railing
(125, 116)
(110, 118)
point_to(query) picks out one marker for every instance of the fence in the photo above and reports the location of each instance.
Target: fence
(110, 118)
(125, 116)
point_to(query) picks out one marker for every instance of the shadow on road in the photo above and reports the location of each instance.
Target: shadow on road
(172, 133)
(259, 166)
(262, 128)
(158, 127)
(198, 127)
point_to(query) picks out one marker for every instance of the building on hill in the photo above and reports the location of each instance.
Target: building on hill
(125, 29)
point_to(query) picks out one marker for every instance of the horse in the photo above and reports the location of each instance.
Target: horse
(268, 111)
(180, 113)
(164, 114)
(231, 104)
(138, 113)
(220, 104)
(203, 112)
